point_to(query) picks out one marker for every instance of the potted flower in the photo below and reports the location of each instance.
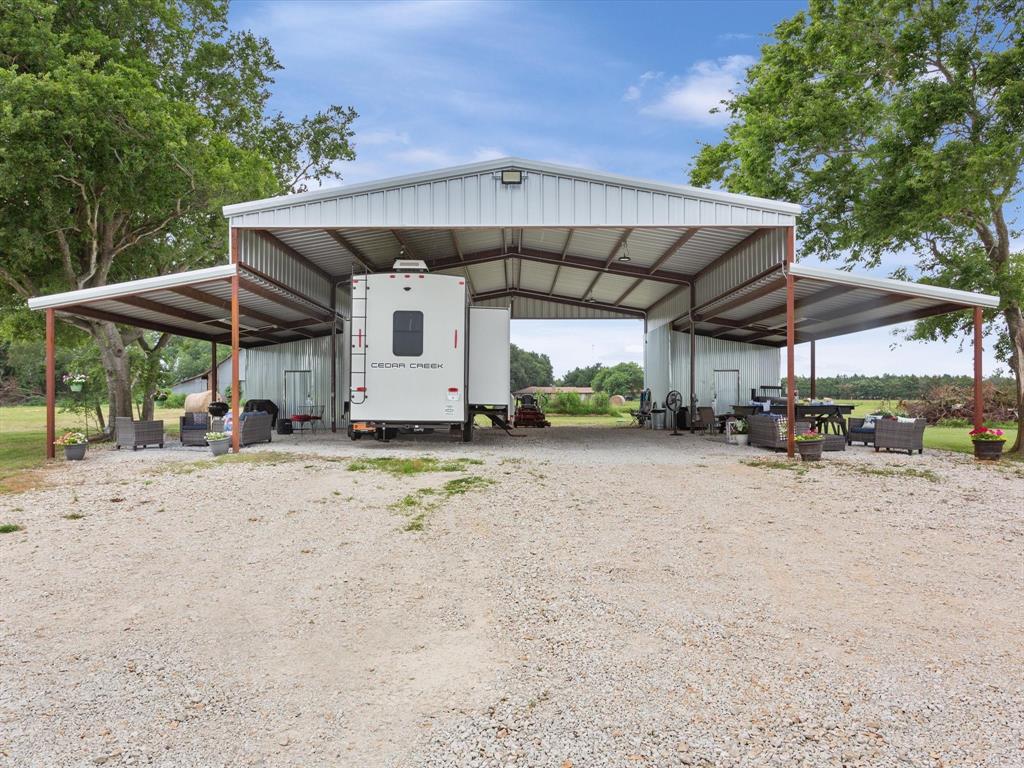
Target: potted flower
(219, 442)
(161, 395)
(740, 432)
(988, 443)
(810, 445)
(74, 381)
(74, 444)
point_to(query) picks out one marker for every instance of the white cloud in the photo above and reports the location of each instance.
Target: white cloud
(691, 97)
(636, 90)
(488, 153)
(376, 138)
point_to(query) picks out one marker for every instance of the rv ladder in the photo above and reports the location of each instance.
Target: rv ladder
(357, 393)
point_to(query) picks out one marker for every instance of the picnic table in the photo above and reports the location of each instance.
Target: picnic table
(825, 417)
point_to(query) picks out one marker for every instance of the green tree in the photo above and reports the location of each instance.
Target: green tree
(620, 379)
(529, 369)
(125, 125)
(580, 377)
(899, 124)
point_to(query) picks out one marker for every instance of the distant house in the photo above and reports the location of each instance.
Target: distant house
(200, 383)
(583, 392)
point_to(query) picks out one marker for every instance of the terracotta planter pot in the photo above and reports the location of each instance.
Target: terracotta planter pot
(75, 452)
(810, 450)
(988, 450)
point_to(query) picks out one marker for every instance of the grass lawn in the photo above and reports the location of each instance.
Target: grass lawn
(23, 437)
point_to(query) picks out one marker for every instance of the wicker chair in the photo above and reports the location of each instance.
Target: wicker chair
(900, 435)
(705, 419)
(765, 433)
(193, 428)
(855, 432)
(132, 434)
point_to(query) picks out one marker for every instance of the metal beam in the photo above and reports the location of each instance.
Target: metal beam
(297, 257)
(628, 291)
(151, 325)
(465, 270)
(979, 399)
(618, 245)
(236, 396)
(357, 254)
(904, 317)
(268, 279)
(670, 295)
(153, 306)
(671, 250)
(51, 383)
(409, 252)
(215, 301)
(750, 239)
(790, 345)
(738, 301)
(565, 252)
(557, 299)
(577, 262)
(284, 301)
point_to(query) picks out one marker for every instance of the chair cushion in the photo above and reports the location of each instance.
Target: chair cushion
(905, 420)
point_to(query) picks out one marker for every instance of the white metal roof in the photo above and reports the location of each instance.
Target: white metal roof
(197, 304)
(938, 293)
(550, 195)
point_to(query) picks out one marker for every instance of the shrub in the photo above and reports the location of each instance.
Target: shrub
(174, 400)
(567, 402)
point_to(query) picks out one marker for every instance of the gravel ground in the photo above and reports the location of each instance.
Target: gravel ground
(615, 598)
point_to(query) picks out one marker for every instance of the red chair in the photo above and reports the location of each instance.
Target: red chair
(300, 420)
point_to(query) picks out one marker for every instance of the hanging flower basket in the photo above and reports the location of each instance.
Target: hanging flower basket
(74, 381)
(988, 443)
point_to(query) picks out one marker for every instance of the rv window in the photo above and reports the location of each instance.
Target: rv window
(408, 334)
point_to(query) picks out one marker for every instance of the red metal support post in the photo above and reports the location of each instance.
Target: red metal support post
(814, 373)
(51, 383)
(236, 424)
(979, 399)
(334, 357)
(790, 344)
(213, 369)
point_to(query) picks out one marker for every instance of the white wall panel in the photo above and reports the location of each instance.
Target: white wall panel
(474, 196)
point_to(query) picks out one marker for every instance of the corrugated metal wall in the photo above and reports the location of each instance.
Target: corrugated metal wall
(668, 364)
(757, 365)
(258, 253)
(669, 310)
(768, 251)
(480, 199)
(265, 367)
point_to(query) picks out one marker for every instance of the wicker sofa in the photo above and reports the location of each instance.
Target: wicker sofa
(256, 428)
(895, 435)
(764, 431)
(132, 434)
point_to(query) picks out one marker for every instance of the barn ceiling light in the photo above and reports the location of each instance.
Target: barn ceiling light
(511, 176)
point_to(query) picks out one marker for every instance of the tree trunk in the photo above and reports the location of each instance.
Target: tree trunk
(114, 358)
(1015, 325)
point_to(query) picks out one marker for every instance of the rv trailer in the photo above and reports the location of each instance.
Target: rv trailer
(421, 358)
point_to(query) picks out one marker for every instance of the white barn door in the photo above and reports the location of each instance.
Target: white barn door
(727, 391)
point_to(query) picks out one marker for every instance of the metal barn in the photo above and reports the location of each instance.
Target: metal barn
(713, 275)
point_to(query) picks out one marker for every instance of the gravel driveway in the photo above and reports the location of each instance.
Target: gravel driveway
(616, 597)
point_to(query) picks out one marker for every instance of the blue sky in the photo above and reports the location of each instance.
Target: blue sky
(619, 87)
